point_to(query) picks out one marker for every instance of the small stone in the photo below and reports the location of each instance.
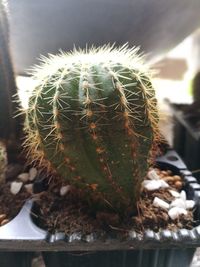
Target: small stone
(32, 173)
(178, 185)
(2, 217)
(151, 185)
(4, 222)
(169, 179)
(157, 202)
(174, 193)
(169, 172)
(164, 173)
(15, 187)
(178, 202)
(158, 171)
(64, 190)
(164, 184)
(29, 188)
(175, 212)
(190, 204)
(24, 177)
(153, 175)
(177, 178)
(183, 195)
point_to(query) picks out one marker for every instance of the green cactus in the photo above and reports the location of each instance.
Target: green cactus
(3, 162)
(7, 81)
(92, 118)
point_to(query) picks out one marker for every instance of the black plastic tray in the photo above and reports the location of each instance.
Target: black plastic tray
(166, 248)
(186, 137)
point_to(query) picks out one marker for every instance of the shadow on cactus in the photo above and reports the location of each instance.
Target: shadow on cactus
(93, 120)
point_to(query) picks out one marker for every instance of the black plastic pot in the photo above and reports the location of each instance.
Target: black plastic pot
(166, 248)
(187, 136)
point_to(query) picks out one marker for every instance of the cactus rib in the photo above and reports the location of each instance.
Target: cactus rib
(92, 118)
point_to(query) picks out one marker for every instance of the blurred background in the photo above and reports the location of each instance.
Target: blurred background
(45, 26)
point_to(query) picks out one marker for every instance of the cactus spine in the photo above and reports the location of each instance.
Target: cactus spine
(7, 81)
(93, 118)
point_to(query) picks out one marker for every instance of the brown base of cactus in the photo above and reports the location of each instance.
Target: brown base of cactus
(70, 214)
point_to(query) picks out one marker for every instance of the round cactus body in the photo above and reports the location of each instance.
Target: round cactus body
(92, 118)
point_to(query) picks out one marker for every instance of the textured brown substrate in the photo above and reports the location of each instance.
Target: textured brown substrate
(10, 204)
(71, 214)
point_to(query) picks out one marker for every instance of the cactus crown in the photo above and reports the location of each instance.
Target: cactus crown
(92, 118)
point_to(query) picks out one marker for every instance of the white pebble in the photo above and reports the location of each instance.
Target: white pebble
(157, 202)
(183, 195)
(179, 203)
(153, 175)
(15, 187)
(164, 184)
(175, 212)
(174, 193)
(64, 190)
(151, 184)
(24, 177)
(190, 204)
(154, 184)
(32, 173)
(29, 188)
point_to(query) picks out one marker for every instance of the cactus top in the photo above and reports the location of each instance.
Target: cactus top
(92, 118)
(128, 57)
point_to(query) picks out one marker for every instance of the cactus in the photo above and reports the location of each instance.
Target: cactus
(7, 81)
(3, 162)
(92, 118)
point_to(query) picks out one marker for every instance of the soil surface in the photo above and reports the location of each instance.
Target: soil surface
(11, 204)
(71, 214)
(67, 214)
(150, 217)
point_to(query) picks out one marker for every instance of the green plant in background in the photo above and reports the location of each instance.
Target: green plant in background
(8, 124)
(195, 87)
(93, 119)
